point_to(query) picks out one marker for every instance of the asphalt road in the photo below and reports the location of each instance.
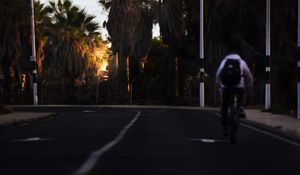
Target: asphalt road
(114, 141)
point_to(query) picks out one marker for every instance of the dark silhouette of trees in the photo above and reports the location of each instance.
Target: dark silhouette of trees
(130, 28)
(68, 49)
(14, 53)
(228, 24)
(162, 70)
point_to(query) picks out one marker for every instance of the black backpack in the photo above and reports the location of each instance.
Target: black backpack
(231, 73)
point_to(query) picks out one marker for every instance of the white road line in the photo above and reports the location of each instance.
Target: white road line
(31, 139)
(272, 135)
(206, 140)
(266, 133)
(88, 111)
(218, 114)
(91, 161)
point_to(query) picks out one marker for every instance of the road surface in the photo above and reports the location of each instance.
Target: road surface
(141, 141)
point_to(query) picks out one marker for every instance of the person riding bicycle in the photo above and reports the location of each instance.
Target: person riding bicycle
(232, 75)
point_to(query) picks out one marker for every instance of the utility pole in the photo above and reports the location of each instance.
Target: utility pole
(298, 64)
(268, 53)
(33, 57)
(201, 48)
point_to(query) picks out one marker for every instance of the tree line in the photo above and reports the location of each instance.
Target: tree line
(143, 70)
(70, 51)
(171, 72)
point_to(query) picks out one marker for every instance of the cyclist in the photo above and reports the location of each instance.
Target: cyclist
(232, 75)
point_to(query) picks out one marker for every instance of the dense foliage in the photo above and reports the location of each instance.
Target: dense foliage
(70, 51)
(228, 24)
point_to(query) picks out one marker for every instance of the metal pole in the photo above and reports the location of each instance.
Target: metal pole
(268, 53)
(202, 71)
(298, 64)
(33, 57)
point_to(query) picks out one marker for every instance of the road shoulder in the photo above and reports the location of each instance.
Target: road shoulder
(18, 118)
(283, 125)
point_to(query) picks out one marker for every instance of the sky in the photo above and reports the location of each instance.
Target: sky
(92, 7)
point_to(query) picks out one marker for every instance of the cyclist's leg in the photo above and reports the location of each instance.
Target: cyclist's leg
(224, 107)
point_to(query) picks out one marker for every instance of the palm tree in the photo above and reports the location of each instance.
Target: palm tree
(14, 37)
(42, 24)
(130, 28)
(284, 55)
(172, 28)
(70, 30)
(11, 19)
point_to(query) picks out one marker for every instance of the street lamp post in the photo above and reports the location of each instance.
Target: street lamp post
(298, 64)
(33, 57)
(268, 53)
(201, 48)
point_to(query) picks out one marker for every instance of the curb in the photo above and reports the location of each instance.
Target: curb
(273, 129)
(22, 122)
(290, 135)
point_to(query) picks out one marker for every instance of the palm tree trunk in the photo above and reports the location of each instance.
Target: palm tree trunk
(117, 63)
(128, 75)
(122, 79)
(177, 76)
(1, 91)
(172, 92)
(97, 91)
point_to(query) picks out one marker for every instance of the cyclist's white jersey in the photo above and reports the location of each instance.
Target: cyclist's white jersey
(245, 71)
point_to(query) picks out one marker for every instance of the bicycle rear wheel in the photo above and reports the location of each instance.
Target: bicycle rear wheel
(233, 124)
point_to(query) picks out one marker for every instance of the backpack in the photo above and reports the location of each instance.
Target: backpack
(231, 73)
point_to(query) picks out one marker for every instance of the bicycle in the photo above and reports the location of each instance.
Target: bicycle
(233, 118)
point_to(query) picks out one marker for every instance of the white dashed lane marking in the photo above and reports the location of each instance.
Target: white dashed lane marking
(91, 161)
(203, 140)
(31, 139)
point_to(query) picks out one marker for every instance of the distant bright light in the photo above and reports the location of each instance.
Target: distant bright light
(155, 31)
(104, 66)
